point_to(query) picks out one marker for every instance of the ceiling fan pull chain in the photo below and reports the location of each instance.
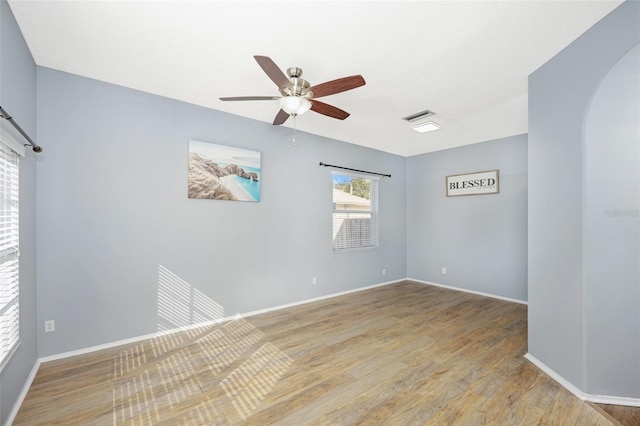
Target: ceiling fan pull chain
(294, 130)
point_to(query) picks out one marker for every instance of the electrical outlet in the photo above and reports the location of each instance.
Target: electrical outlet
(315, 280)
(444, 271)
(49, 326)
(384, 272)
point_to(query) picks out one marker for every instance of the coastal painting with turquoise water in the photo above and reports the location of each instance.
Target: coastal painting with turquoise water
(220, 172)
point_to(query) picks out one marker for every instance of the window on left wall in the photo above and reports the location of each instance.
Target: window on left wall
(9, 253)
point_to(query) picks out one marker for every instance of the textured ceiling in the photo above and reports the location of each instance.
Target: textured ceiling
(468, 61)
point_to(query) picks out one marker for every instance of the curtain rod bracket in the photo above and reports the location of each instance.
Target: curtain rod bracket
(354, 170)
(4, 114)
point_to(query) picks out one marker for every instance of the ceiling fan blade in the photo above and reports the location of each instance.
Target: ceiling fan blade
(273, 72)
(251, 98)
(337, 86)
(328, 110)
(281, 117)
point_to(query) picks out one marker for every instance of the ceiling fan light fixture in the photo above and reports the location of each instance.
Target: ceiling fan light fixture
(294, 105)
(426, 127)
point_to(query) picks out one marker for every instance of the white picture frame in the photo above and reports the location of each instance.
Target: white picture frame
(475, 183)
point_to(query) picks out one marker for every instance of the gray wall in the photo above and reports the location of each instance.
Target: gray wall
(612, 232)
(481, 239)
(18, 97)
(560, 93)
(116, 229)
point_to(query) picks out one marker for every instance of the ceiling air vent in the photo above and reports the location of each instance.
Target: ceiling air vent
(419, 115)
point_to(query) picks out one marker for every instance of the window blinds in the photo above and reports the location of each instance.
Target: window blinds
(355, 212)
(9, 264)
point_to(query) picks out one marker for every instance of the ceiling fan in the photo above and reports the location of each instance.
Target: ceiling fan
(298, 96)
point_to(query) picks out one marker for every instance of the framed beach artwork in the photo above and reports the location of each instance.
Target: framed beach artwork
(220, 172)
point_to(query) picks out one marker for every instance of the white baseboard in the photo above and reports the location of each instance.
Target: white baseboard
(593, 398)
(599, 399)
(555, 376)
(316, 299)
(136, 339)
(493, 296)
(40, 361)
(614, 400)
(23, 393)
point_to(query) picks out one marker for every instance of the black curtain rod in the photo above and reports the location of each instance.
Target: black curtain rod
(353, 170)
(34, 146)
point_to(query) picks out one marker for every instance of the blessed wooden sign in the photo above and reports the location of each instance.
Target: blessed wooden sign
(477, 183)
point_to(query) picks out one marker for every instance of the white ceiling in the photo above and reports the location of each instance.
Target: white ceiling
(466, 60)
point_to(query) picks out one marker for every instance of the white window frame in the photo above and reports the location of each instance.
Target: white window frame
(373, 240)
(9, 247)
(7, 136)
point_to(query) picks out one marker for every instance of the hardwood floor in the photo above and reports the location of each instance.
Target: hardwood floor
(620, 415)
(401, 354)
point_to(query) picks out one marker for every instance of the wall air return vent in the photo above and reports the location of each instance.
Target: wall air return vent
(419, 115)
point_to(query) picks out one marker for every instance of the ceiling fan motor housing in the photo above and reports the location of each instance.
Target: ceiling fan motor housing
(299, 86)
(294, 72)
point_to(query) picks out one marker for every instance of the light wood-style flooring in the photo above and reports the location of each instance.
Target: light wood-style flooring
(401, 354)
(620, 415)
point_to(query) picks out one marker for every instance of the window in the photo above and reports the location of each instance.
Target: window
(355, 211)
(9, 314)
